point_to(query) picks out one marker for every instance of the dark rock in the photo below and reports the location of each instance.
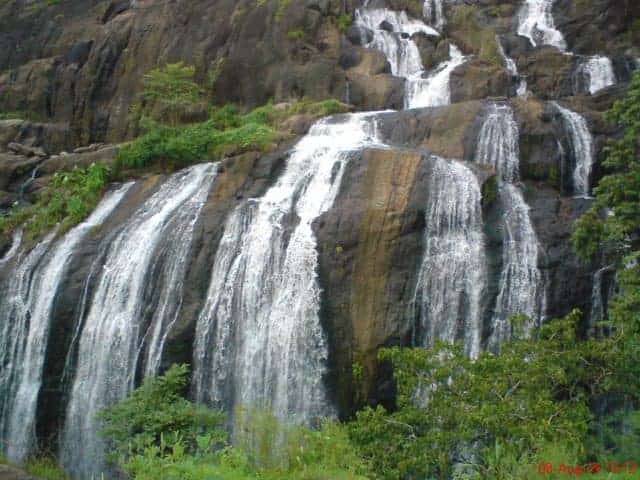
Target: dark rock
(359, 35)
(321, 6)
(79, 53)
(384, 25)
(20, 149)
(106, 155)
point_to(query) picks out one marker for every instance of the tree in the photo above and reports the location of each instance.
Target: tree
(173, 87)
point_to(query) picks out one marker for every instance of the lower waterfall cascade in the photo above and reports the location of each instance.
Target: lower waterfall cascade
(113, 333)
(449, 292)
(231, 279)
(30, 298)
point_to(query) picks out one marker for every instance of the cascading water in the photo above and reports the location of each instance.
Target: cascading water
(113, 335)
(581, 146)
(521, 285)
(447, 303)
(512, 68)
(433, 12)
(535, 21)
(401, 52)
(259, 341)
(598, 73)
(422, 89)
(34, 289)
(434, 90)
(16, 241)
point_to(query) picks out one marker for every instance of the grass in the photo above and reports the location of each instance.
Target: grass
(45, 469)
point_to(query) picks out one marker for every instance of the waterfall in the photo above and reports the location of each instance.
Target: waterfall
(16, 241)
(434, 90)
(598, 73)
(433, 13)
(581, 146)
(512, 68)
(498, 143)
(422, 89)
(113, 335)
(401, 52)
(447, 302)
(259, 341)
(521, 283)
(535, 21)
(33, 294)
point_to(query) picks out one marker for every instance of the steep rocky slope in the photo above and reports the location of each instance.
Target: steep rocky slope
(74, 69)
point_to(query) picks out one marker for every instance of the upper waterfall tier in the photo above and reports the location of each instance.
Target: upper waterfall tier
(537, 24)
(392, 33)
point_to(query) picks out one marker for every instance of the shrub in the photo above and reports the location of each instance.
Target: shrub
(69, 199)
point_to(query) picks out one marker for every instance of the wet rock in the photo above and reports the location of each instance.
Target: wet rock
(359, 35)
(26, 151)
(384, 25)
(477, 79)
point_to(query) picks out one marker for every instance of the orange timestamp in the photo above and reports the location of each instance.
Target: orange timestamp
(548, 468)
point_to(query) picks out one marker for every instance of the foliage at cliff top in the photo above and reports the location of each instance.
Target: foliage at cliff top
(226, 133)
(69, 199)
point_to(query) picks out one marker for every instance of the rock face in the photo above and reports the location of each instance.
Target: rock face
(77, 67)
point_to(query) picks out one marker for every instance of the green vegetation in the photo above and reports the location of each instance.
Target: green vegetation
(344, 21)
(282, 9)
(226, 132)
(612, 226)
(510, 407)
(296, 35)
(69, 199)
(157, 433)
(173, 89)
(43, 468)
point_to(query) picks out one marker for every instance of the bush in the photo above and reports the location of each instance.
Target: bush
(69, 199)
(158, 416)
(498, 411)
(157, 433)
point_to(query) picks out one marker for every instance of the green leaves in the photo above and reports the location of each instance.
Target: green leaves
(503, 407)
(69, 199)
(173, 88)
